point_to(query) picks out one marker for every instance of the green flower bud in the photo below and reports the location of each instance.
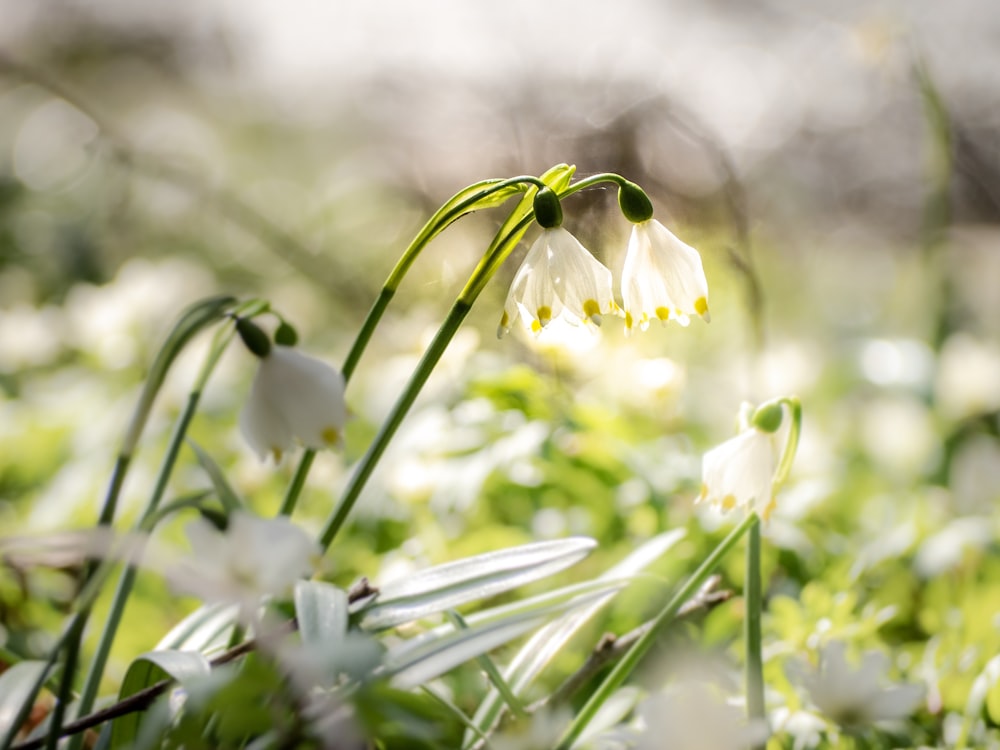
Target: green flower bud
(286, 335)
(634, 202)
(548, 211)
(253, 337)
(768, 417)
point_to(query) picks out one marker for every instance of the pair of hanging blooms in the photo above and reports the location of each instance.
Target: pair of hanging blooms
(662, 279)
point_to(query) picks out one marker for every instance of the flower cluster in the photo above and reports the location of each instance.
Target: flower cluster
(662, 278)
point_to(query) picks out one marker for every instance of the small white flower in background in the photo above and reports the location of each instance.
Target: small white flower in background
(253, 557)
(856, 698)
(739, 473)
(663, 278)
(558, 277)
(293, 396)
(690, 716)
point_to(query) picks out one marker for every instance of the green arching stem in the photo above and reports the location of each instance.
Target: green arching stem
(500, 248)
(456, 207)
(634, 655)
(792, 443)
(367, 464)
(753, 596)
(463, 202)
(125, 583)
(291, 497)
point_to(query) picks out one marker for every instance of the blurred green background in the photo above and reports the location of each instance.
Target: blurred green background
(836, 164)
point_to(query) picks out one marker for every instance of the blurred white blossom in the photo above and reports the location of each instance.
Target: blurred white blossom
(857, 697)
(690, 716)
(252, 558)
(663, 278)
(293, 396)
(558, 278)
(968, 378)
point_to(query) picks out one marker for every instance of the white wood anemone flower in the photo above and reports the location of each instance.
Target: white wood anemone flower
(293, 396)
(857, 697)
(662, 279)
(739, 473)
(253, 558)
(690, 716)
(558, 278)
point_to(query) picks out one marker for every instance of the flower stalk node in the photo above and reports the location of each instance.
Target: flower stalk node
(253, 337)
(286, 335)
(634, 202)
(548, 211)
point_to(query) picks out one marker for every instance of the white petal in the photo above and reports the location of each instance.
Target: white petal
(581, 281)
(263, 426)
(308, 393)
(662, 278)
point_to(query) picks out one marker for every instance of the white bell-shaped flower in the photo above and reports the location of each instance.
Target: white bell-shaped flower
(558, 277)
(663, 278)
(293, 396)
(739, 473)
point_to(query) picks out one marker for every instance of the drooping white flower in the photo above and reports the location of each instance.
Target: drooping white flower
(663, 278)
(857, 698)
(293, 396)
(253, 557)
(558, 277)
(739, 473)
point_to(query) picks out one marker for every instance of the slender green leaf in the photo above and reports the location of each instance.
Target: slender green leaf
(223, 490)
(193, 319)
(549, 640)
(561, 599)
(321, 611)
(17, 685)
(407, 666)
(206, 627)
(447, 586)
(147, 670)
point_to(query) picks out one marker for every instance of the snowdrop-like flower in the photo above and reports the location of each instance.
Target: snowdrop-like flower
(293, 396)
(856, 698)
(739, 473)
(254, 557)
(663, 278)
(558, 277)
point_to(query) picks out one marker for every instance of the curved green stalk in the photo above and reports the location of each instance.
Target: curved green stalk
(499, 250)
(753, 596)
(632, 657)
(480, 195)
(127, 579)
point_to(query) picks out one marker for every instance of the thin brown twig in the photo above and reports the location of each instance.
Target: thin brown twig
(610, 647)
(143, 699)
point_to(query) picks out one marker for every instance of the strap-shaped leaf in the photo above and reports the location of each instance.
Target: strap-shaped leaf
(547, 642)
(207, 626)
(321, 611)
(223, 490)
(147, 670)
(407, 666)
(447, 586)
(17, 685)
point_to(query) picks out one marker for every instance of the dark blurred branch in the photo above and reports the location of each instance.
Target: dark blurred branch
(226, 203)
